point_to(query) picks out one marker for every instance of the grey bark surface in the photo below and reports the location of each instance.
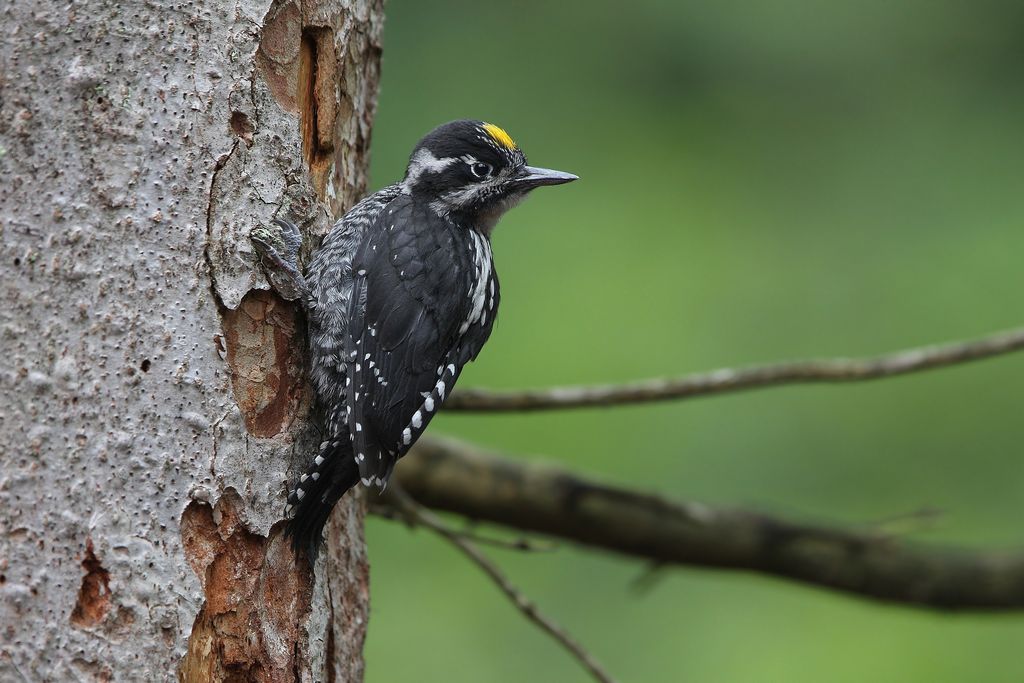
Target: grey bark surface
(154, 404)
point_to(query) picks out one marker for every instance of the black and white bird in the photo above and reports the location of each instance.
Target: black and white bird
(400, 296)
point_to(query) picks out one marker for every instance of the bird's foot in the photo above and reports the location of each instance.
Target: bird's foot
(278, 247)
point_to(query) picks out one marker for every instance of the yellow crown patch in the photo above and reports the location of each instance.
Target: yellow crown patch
(500, 136)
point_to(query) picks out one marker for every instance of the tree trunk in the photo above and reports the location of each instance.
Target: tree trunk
(155, 402)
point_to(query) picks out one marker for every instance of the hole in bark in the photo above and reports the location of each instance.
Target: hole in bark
(94, 595)
(17, 261)
(316, 97)
(144, 366)
(241, 126)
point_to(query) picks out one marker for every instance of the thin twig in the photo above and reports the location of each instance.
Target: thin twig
(737, 379)
(913, 522)
(420, 515)
(521, 543)
(651, 575)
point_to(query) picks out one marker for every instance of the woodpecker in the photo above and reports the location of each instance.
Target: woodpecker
(400, 296)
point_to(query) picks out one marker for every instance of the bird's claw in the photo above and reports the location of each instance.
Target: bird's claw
(289, 235)
(267, 244)
(279, 252)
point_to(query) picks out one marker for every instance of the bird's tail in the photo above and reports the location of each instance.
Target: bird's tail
(332, 473)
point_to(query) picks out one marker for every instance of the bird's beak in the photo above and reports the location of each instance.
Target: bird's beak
(530, 177)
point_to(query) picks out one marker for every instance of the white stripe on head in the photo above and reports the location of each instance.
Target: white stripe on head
(422, 162)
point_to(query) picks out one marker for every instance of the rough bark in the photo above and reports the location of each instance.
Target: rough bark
(154, 396)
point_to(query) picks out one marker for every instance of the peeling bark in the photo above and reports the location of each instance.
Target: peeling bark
(251, 622)
(263, 347)
(155, 406)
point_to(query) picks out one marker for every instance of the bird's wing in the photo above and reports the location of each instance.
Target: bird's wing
(403, 327)
(331, 281)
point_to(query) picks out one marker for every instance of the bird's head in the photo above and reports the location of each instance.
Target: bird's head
(473, 170)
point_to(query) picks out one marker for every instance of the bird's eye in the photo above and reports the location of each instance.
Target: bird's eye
(480, 169)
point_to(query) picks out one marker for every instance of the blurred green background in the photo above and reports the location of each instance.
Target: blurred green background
(760, 181)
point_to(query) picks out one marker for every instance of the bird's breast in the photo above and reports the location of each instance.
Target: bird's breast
(481, 282)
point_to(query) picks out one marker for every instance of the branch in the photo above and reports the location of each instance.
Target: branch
(731, 379)
(452, 476)
(417, 514)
